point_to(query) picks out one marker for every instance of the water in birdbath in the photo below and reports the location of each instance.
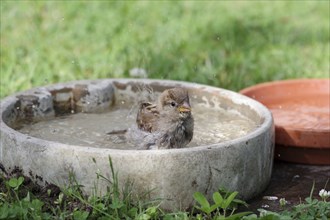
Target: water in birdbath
(212, 125)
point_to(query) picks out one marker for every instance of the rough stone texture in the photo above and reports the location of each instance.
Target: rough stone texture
(36, 105)
(93, 97)
(243, 164)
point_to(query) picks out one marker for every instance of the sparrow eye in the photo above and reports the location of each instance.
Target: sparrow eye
(173, 104)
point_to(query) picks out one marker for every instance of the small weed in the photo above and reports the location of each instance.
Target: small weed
(15, 183)
(14, 207)
(115, 204)
(224, 205)
(71, 203)
(311, 208)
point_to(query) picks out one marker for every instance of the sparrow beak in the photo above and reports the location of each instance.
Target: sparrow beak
(185, 107)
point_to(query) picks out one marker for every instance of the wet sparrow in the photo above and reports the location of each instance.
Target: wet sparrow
(168, 123)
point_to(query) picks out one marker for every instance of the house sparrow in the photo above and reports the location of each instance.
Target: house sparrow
(168, 123)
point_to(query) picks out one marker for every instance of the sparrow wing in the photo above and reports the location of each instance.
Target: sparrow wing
(147, 117)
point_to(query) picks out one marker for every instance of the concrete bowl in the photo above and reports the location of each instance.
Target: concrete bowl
(243, 164)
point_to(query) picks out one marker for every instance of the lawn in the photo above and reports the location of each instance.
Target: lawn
(228, 44)
(221, 43)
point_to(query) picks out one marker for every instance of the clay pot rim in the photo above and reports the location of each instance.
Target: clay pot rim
(279, 82)
(308, 133)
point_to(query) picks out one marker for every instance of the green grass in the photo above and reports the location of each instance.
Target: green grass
(221, 43)
(17, 201)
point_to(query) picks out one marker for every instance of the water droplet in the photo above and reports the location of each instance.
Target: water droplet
(72, 111)
(122, 102)
(72, 61)
(33, 106)
(17, 108)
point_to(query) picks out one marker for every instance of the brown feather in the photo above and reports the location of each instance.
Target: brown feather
(147, 116)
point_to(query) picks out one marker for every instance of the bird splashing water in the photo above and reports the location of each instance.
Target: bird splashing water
(166, 124)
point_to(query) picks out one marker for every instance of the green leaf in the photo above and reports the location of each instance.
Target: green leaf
(308, 200)
(152, 211)
(116, 203)
(144, 217)
(80, 215)
(213, 208)
(27, 198)
(220, 217)
(228, 200)
(205, 205)
(132, 212)
(251, 217)
(99, 206)
(4, 211)
(15, 183)
(20, 180)
(240, 202)
(37, 204)
(200, 198)
(199, 217)
(217, 198)
(238, 215)
(49, 191)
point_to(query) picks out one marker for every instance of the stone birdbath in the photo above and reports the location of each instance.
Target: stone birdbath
(232, 147)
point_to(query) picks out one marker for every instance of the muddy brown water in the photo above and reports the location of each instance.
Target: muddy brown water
(212, 125)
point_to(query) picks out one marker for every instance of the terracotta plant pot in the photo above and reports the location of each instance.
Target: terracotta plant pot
(301, 110)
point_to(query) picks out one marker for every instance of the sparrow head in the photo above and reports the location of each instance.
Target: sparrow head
(175, 101)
